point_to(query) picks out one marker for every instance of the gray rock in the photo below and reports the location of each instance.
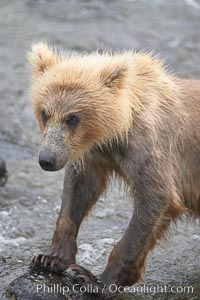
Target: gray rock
(42, 285)
(3, 172)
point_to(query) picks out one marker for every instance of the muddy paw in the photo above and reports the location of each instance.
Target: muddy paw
(50, 263)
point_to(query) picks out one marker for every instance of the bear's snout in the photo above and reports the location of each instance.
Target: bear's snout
(47, 160)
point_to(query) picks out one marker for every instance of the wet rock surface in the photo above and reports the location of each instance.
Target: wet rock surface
(41, 285)
(30, 201)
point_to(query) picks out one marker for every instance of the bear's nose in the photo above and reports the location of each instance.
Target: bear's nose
(47, 160)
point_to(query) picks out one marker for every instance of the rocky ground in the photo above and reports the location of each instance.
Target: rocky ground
(30, 202)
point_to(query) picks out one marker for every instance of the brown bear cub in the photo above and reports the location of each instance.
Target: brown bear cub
(122, 114)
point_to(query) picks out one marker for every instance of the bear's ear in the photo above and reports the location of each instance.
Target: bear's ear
(113, 76)
(41, 58)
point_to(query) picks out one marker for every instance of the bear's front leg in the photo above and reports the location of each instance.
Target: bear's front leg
(81, 190)
(125, 266)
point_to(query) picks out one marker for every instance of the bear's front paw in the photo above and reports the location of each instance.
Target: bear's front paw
(50, 263)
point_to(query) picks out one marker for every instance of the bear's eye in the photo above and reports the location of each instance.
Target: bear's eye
(72, 120)
(44, 116)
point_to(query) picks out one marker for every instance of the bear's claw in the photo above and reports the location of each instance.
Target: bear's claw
(86, 278)
(50, 263)
(84, 274)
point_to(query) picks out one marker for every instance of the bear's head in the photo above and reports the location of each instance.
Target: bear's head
(80, 101)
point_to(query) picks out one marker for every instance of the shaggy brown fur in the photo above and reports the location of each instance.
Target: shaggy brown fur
(120, 114)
